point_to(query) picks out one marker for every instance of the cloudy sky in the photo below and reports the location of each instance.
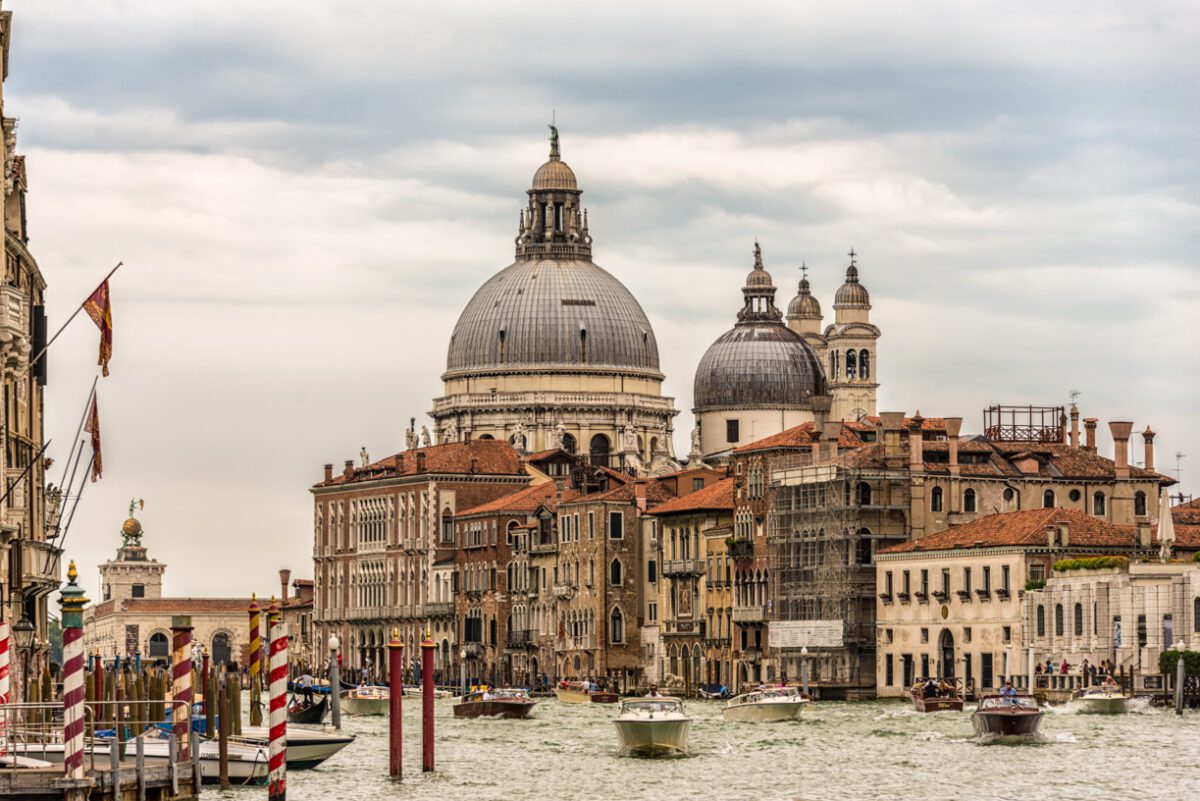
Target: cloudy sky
(305, 195)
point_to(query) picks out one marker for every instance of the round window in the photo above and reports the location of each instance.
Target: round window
(1009, 494)
(1075, 495)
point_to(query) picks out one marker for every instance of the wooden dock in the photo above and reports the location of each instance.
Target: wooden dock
(151, 783)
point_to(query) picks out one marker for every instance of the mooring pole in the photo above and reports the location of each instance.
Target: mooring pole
(1180, 673)
(277, 715)
(335, 683)
(181, 684)
(5, 633)
(395, 705)
(72, 603)
(223, 727)
(427, 690)
(255, 662)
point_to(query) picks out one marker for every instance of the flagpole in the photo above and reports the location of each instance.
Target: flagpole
(24, 473)
(63, 541)
(74, 314)
(86, 408)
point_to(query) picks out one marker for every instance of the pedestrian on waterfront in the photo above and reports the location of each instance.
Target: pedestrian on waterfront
(1085, 669)
(1038, 668)
(1049, 665)
(1066, 666)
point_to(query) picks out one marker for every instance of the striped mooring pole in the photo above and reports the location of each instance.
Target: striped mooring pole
(277, 716)
(427, 647)
(255, 662)
(5, 633)
(395, 706)
(181, 683)
(72, 603)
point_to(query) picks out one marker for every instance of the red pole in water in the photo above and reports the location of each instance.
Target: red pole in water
(427, 647)
(395, 704)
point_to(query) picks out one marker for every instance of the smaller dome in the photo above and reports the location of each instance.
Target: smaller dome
(555, 174)
(804, 304)
(131, 527)
(852, 294)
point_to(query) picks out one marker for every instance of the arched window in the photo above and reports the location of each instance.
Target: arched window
(1041, 621)
(568, 443)
(1048, 499)
(1058, 620)
(969, 500)
(1098, 504)
(1139, 503)
(1078, 620)
(598, 450)
(864, 364)
(614, 572)
(160, 646)
(616, 626)
(583, 345)
(864, 494)
(492, 631)
(935, 499)
(851, 363)
(221, 652)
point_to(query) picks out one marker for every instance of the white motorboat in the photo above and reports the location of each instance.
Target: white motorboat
(366, 700)
(652, 726)
(770, 704)
(419, 692)
(306, 748)
(1103, 700)
(247, 763)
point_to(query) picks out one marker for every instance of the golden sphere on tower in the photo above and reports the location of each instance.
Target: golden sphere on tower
(131, 527)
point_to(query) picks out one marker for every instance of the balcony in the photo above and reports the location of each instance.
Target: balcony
(752, 655)
(886, 597)
(1002, 594)
(939, 596)
(683, 567)
(543, 547)
(14, 327)
(964, 596)
(564, 591)
(521, 638)
(689, 627)
(439, 610)
(984, 595)
(749, 614)
(922, 597)
(40, 564)
(367, 613)
(741, 549)
(903, 597)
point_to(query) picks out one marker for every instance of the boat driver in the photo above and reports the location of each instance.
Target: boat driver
(653, 692)
(1008, 690)
(931, 688)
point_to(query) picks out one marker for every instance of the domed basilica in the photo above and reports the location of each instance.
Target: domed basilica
(553, 351)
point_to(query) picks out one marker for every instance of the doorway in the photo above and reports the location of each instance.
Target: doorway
(946, 645)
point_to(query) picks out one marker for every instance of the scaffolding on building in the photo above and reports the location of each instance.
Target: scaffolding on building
(827, 522)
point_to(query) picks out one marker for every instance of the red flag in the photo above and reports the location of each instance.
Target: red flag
(93, 428)
(99, 308)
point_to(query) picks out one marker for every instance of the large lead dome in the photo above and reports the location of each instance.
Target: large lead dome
(759, 363)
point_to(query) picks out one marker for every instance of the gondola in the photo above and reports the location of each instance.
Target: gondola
(312, 713)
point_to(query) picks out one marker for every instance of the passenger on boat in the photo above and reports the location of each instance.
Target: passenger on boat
(1008, 690)
(931, 689)
(585, 685)
(305, 683)
(1110, 684)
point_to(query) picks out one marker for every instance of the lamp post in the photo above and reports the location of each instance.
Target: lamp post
(804, 669)
(335, 684)
(22, 632)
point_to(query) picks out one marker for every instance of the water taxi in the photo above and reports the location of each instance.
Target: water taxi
(652, 726)
(306, 748)
(1103, 700)
(498, 703)
(574, 692)
(943, 696)
(366, 700)
(1007, 715)
(767, 704)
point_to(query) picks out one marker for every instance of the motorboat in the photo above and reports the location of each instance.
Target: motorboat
(1007, 715)
(652, 726)
(767, 704)
(366, 700)
(1105, 699)
(419, 692)
(247, 762)
(301, 711)
(306, 748)
(497, 703)
(574, 692)
(946, 696)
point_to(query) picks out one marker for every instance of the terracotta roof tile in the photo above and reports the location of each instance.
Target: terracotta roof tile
(1027, 527)
(523, 501)
(717, 497)
(1187, 513)
(180, 605)
(492, 456)
(802, 436)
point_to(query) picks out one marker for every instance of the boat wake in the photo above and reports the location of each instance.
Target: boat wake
(1013, 739)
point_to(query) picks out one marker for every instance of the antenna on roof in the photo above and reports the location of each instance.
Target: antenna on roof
(1179, 456)
(1075, 396)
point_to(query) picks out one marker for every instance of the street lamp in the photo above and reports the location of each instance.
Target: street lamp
(22, 632)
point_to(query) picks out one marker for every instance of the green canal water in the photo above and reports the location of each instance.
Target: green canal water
(838, 751)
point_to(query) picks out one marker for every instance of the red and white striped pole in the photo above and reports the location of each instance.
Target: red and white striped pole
(181, 683)
(277, 717)
(5, 634)
(395, 706)
(427, 647)
(72, 603)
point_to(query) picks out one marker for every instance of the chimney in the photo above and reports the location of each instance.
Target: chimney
(329, 472)
(831, 433)
(1064, 532)
(474, 464)
(1121, 432)
(349, 469)
(1074, 426)
(1148, 438)
(1089, 427)
(953, 427)
(420, 461)
(1062, 429)
(285, 577)
(891, 423)
(1143, 533)
(816, 446)
(916, 445)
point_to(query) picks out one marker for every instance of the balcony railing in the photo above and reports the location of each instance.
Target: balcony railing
(39, 564)
(445, 609)
(683, 567)
(564, 591)
(693, 627)
(521, 637)
(741, 549)
(749, 614)
(543, 547)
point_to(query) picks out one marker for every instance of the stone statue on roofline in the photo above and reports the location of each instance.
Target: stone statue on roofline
(364, 457)
(559, 436)
(450, 431)
(410, 440)
(629, 443)
(519, 439)
(426, 438)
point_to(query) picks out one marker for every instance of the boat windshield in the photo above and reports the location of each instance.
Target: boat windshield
(1006, 702)
(510, 695)
(646, 707)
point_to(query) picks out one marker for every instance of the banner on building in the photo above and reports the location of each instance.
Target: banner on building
(795, 634)
(131, 640)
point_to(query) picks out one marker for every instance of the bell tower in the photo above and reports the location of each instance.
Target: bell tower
(850, 355)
